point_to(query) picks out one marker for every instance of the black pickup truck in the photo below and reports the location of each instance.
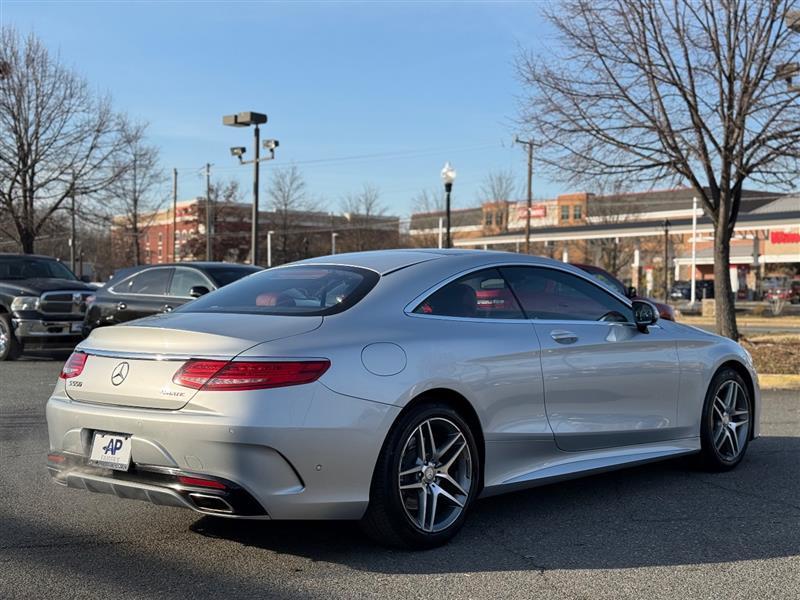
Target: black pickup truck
(42, 304)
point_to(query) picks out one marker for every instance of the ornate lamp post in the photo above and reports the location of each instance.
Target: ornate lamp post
(448, 177)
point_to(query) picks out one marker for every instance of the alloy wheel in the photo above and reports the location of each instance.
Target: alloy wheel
(435, 474)
(731, 420)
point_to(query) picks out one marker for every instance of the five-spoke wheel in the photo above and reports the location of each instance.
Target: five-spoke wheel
(727, 418)
(435, 474)
(426, 478)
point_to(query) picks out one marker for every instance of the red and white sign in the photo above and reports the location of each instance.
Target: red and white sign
(784, 237)
(538, 211)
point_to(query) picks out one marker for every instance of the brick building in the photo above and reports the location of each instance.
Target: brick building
(295, 234)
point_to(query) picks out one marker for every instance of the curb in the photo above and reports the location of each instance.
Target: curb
(779, 382)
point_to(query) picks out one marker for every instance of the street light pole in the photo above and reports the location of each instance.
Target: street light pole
(448, 177)
(256, 173)
(245, 119)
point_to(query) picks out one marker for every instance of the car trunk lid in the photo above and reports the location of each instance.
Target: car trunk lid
(133, 364)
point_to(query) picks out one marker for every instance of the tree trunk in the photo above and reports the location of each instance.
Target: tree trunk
(723, 295)
(26, 240)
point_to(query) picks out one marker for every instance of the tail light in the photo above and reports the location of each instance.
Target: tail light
(217, 375)
(74, 365)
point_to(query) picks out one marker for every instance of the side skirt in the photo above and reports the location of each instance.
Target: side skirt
(560, 466)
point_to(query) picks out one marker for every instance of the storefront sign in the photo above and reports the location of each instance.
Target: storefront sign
(784, 237)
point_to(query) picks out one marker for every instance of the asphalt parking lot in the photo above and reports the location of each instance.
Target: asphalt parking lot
(660, 531)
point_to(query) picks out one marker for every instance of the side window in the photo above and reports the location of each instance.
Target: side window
(557, 295)
(483, 295)
(184, 280)
(152, 282)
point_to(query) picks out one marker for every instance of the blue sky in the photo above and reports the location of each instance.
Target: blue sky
(409, 85)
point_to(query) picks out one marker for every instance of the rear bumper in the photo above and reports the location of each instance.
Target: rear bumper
(47, 333)
(301, 452)
(158, 485)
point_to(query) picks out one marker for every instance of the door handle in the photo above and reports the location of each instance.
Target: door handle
(564, 337)
(121, 306)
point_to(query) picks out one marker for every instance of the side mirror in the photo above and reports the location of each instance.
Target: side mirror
(85, 279)
(644, 315)
(198, 290)
(631, 292)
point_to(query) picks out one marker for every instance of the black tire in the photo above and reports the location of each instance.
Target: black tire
(10, 348)
(712, 456)
(387, 521)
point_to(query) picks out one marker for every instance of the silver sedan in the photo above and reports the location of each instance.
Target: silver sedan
(395, 388)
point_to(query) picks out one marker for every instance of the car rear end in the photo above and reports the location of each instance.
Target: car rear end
(203, 410)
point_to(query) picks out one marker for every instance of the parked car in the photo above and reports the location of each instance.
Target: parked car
(784, 290)
(375, 386)
(42, 304)
(682, 290)
(665, 311)
(137, 292)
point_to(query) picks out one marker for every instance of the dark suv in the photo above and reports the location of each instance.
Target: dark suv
(138, 292)
(42, 304)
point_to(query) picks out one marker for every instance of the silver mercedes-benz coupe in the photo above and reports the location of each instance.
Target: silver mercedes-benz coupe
(394, 387)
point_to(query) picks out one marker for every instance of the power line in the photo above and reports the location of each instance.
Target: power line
(367, 157)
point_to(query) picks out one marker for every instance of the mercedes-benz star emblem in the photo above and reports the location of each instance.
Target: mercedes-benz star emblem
(119, 373)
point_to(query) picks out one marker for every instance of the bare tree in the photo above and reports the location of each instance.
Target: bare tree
(670, 91)
(288, 198)
(498, 185)
(366, 229)
(611, 206)
(56, 137)
(428, 201)
(133, 194)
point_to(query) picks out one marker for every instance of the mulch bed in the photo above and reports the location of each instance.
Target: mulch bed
(775, 354)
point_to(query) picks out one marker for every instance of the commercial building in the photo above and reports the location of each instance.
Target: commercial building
(632, 234)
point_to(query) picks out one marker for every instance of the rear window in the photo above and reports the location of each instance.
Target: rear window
(299, 290)
(228, 274)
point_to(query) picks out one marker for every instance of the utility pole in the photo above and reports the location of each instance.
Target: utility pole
(174, 215)
(667, 225)
(529, 144)
(137, 251)
(72, 226)
(209, 255)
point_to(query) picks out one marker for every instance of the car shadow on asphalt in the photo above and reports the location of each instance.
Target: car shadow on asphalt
(668, 513)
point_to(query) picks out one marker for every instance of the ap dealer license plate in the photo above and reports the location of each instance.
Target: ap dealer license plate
(111, 450)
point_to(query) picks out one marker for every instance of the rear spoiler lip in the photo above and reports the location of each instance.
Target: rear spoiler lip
(124, 354)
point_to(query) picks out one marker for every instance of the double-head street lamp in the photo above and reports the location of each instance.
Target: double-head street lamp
(448, 177)
(246, 119)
